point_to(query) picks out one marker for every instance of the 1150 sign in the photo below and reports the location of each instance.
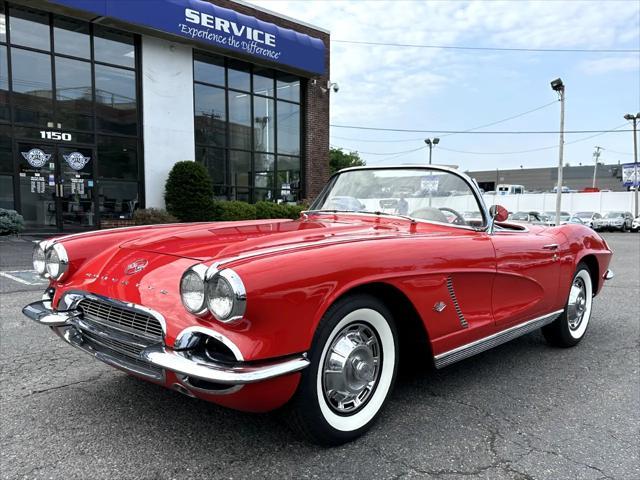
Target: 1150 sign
(49, 135)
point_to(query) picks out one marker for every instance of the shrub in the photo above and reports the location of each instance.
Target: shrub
(152, 216)
(271, 210)
(233, 210)
(188, 192)
(11, 222)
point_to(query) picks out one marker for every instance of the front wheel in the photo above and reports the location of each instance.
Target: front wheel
(353, 367)
(568, 329)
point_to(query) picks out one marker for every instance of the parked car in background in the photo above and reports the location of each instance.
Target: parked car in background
(573, 219)
(588, 217)
(535, 218)
(564, 217)
(618, 220)
(635, 226)
(504, 189)
(313, 314)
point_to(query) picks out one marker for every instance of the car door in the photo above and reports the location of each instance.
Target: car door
(527, 275)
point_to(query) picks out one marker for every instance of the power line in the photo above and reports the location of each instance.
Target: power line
(497, 49)
(374, 153)
(504, 132)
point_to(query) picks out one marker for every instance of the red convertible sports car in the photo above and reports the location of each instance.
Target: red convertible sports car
(316, 313)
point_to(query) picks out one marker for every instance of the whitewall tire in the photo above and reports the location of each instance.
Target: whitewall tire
(354, 360)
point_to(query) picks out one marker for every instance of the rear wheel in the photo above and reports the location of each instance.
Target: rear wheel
(353, 368)
(569, 328)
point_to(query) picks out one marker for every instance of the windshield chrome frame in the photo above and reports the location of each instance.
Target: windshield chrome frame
(486, 218)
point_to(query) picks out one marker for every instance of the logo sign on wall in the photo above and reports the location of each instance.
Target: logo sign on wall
(220, 27)
(76, 160)
(631, 174)
(36, 157)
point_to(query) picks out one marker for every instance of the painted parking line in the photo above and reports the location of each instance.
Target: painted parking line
(26, 277)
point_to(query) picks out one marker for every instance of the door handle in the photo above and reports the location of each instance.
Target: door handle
(551, 246)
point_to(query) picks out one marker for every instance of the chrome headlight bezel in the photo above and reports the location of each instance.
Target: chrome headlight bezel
(238, 294)
(200, 271)
(62, 261)
(39, 249)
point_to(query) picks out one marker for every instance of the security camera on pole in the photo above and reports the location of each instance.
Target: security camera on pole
(634, 119)
(558, 86)
(431, 142)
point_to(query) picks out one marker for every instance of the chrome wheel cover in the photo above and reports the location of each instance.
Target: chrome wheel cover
(577, 304)
(351, 368)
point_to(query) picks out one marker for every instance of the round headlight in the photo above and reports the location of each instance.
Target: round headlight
(39, 260)
(226, 296)
(192, 291)
(57, 261)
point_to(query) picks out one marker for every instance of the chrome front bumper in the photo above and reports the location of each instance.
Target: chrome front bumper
(153, 360)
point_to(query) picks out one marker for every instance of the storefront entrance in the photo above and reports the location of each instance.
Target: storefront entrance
(56, 187)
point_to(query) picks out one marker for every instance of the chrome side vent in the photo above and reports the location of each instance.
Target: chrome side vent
(456, 305)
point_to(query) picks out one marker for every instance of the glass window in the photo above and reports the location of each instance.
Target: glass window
(71, 37)
(30, 29)
(114, 47)
(4, 83)
(239, 77)
(264, 167)
(288, 128)
(264, 124)
(240, 168)
(6, 192)
(240, 120)
(213, 159)
(211, 115)
(3, 24)
(288, 87)
(260, 195)
(117, 157)
(31, 72)
(6, 159)
(73, 84)
(263, 82)
(118, 200)
(288, 180)
(209, 69)
(116, 108)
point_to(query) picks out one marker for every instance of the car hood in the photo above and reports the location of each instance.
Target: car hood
(228, 239)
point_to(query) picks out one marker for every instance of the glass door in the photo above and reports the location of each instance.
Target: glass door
(56, 187)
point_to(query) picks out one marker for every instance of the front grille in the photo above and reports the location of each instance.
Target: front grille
(121, 347)
(128, 320)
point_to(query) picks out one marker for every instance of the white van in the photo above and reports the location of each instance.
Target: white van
(505, 189)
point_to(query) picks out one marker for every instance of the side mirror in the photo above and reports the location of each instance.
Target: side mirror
(498, 213)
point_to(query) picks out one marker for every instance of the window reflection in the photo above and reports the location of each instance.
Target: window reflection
(288, 87)
(6, 192)
(4, 84)
(240, 168)
(208, 69)
(214, 161)
(73, 84)
(117, 157)
(114, 47)
(31, 83)
(240, 120)
(263, 82)
(211, 117)
(288, 128)
(288, 179)
(71, 37)
(263, 124)
(30, 29)
(264, 167)
(238, 75)
(3, 25)
(116, 100)
(6, 160)
(117, 200)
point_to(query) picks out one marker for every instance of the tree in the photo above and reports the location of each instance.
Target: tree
(189, 192)
(338, 159)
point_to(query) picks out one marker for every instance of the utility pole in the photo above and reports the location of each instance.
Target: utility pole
(596, 156)
(635, 119)
(558, 86)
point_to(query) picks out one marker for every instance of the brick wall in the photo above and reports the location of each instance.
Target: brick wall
(315, 122)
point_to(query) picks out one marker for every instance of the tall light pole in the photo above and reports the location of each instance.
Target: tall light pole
(596, 156)
(431, 142)
(635, 119)
(558, 86)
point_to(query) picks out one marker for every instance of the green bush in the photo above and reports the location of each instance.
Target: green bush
(233, 210)
(188, 192)
(11, 222)
(152, 216)
(271, 210)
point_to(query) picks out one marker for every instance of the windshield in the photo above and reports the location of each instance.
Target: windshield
(613, 215)
(420, 193)
(584, 214)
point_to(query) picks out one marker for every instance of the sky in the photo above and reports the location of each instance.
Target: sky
(444, 89)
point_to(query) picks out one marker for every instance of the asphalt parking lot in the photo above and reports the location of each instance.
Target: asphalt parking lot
(521, 411)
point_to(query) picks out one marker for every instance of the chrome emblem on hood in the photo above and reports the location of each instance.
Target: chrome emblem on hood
(135, 267)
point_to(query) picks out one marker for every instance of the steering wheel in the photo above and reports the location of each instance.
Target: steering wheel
(459, 220)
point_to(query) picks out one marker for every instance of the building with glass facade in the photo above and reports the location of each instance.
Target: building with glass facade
(99, 99)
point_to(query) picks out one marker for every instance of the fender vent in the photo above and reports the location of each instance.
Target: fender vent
(454, 299)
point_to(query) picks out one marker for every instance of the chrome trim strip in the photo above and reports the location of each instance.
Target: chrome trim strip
(238, 374)
(483, 344)
(456, 305)
(608, 275)
(183, 340)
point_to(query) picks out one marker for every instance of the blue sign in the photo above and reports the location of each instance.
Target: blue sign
(631, 174)
(212, 25)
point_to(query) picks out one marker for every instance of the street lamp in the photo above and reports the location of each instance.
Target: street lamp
(431, 142)
(558, 86)
(634, 119)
